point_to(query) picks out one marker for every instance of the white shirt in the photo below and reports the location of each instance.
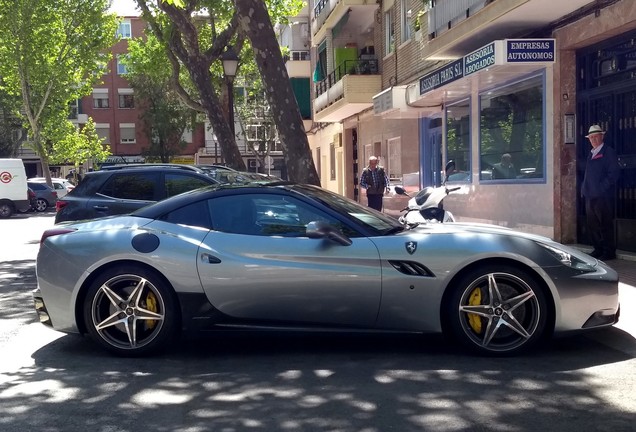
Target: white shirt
(596, 150)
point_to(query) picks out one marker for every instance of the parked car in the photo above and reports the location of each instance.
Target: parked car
(13, 187)
(45, 196)
(291, 256)
(120, 189)
(61, 186)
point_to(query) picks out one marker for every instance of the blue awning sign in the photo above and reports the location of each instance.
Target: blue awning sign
(496, 53)
(530, 50)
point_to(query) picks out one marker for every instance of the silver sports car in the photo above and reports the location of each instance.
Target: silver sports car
(285, 256)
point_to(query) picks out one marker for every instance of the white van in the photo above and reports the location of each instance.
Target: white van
(14, 195)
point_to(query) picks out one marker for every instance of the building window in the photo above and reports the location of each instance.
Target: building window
(127, 133)
(405, 20)
(332, 161)
(103, 132)
(121, 67)
(389, 33)
(511, 134)
(100, 98)
(126, 101)
(124, 30)
(394, 168)
(458, 140)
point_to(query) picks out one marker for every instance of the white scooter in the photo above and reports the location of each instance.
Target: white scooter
(426, 206)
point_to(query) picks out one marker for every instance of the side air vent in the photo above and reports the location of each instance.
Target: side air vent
(411, 268)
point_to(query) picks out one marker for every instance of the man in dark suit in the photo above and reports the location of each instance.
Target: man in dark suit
(601, 173)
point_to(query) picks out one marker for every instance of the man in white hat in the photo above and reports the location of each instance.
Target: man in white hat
(601, 173)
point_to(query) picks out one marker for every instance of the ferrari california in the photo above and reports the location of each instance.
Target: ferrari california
(297, 257)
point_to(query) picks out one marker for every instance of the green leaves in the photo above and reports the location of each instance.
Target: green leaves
(52, 52)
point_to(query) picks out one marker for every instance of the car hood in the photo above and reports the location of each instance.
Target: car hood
(463, 227)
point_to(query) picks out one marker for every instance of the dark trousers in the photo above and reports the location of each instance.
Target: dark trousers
(600, 224)
(375, 201)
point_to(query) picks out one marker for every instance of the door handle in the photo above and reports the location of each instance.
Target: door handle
(210, 259)
(100, 208)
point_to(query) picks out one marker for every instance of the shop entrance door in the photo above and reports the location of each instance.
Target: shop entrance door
(615, 112)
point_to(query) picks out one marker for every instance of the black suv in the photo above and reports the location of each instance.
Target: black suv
(122, 189)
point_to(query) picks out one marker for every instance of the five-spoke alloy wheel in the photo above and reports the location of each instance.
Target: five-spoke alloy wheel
(497, 311)
(131, 311)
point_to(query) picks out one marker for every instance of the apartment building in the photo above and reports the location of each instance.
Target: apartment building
(116, 113)
(419, 83)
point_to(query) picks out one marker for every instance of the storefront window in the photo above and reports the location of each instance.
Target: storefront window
(458, 140)
(511, 132)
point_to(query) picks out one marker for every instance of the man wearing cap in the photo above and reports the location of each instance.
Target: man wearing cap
(601, 173)
(376, 182)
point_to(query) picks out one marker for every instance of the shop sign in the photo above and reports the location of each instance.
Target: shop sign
(480, 59)
(530, 50)
(447, 74)
(383, 101)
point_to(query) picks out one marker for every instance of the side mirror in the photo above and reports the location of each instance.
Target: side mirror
(322, 230)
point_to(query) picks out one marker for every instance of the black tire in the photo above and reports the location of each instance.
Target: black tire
(41, 205)
(497, 311)
(131, 311)
(6, 210)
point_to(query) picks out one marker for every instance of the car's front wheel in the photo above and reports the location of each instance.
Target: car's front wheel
(131, 311)
(41, 205)
(497, 310)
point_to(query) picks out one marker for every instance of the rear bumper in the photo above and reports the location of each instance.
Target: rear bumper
(40, 308)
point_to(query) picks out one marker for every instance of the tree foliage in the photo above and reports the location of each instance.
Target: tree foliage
(196, 35)
(78, 145)
(52, 52)
(10, 124)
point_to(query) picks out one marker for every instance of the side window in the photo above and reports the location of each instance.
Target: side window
(265, 215)
(132, 186)
(195, 214)
(179, 183)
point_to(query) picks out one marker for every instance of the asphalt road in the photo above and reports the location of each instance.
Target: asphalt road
(280, 382)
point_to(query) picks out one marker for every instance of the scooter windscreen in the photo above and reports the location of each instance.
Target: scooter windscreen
(423, 195)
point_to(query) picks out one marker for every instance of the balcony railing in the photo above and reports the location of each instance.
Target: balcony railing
(351, 67)
(447, 13)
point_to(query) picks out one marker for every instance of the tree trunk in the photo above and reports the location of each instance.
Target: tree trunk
(212, 105)
(255, 22)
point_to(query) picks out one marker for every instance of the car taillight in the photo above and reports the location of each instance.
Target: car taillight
(59, 205)
(55, 232)
(31, 194)
(55, 193)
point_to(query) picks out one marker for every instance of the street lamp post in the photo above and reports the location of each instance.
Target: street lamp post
(230, 64)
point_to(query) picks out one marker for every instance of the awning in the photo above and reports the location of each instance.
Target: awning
(496, 62)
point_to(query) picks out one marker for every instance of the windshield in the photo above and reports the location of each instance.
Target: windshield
(352, 210)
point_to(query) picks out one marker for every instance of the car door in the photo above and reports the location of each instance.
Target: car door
(258, 264)
(125, 192)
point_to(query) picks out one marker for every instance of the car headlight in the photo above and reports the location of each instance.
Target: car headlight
(568, 259)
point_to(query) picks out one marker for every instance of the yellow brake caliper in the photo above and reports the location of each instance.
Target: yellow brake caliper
(473, 319)
(151, 305)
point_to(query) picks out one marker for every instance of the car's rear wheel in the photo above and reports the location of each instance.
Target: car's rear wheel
(6, 209)
(497, 310)
(131, 311)
(41, 205)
